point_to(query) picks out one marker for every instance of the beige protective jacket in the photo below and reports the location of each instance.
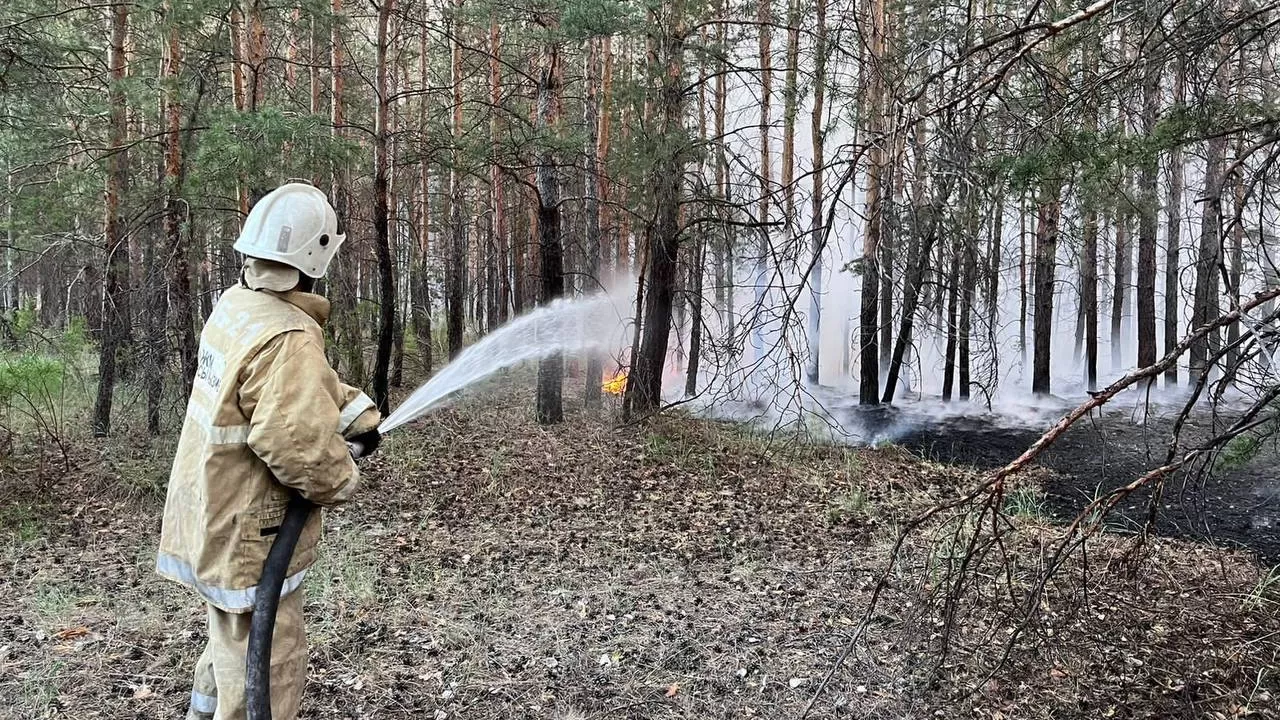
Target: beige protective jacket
(267, 414)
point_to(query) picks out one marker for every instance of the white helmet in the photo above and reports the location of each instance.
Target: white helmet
(295, 225)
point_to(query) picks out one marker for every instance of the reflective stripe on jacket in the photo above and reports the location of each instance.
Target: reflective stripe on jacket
(266, 414)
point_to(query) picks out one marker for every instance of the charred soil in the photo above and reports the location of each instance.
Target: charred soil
(1232, 501)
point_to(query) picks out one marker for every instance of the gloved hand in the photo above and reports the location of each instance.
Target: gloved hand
(364, 444)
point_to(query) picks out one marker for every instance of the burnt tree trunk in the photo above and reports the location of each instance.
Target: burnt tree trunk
(912, 290)
(1173, 234)
(1119, 288)
(869, 353)
(381, 216)
(550, 251)
(1022, 283)
(1148, 224)
(644, 384)
(1050, 212)
(1089, 296)
(965, 331)
(696, 275)
(953, 293)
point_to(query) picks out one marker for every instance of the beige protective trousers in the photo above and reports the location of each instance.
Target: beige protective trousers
(218, 691)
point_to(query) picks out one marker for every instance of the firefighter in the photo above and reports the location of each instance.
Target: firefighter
(267, 417)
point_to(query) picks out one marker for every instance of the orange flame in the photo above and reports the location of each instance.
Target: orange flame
(616, 384)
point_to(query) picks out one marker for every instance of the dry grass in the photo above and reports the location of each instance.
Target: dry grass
(492, 569)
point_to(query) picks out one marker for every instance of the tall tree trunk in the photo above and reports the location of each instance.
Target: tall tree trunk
(239, 91)
(698, 263)
(994, 268)
(456, 263)
(314, 61)
(11, 292)
(602, 154)
(1119, 289)
(790, 100)
(256, 50)
(966, 323)
(1049, 214)
(175, 176)
(912, 289)
(622, 259)
(381, 218)
(294, 51)
(591, 203)
(764, 18)
(398, 201)
(236, 30)
(550, 250)
(644, 384)
(12, 298)
(725, 277)
(1235, 265)
(1235, 255)
(519, 266)
(1022, 282)
(696, 275)
(503, 287)
(1089, 296)
(115, 291)
(343, 285)
(1205, 305)
(1087, 317)
(423, 294)
(1149, 208)
(953, 293)
(817, 196)
(150, 279)
(1173, 234)
(869, 355)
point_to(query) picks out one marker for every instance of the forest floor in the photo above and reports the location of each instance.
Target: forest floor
(680, 568)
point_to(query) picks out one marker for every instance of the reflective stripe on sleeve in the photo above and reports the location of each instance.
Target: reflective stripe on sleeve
(203, 704)
(228, 434)
(353, 410)
(217, 434)
(225, 598)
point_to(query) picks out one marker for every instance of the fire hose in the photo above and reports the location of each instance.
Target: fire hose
(262, 623)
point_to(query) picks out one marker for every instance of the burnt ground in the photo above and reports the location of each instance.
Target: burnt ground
(493, 569)
(1233, 502)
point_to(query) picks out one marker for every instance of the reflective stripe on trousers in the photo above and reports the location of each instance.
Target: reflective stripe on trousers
(230, 600)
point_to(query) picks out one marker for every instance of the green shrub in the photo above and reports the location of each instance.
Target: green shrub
(24, 319)
(32, 377)
(1239, 451)
(75, 339)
